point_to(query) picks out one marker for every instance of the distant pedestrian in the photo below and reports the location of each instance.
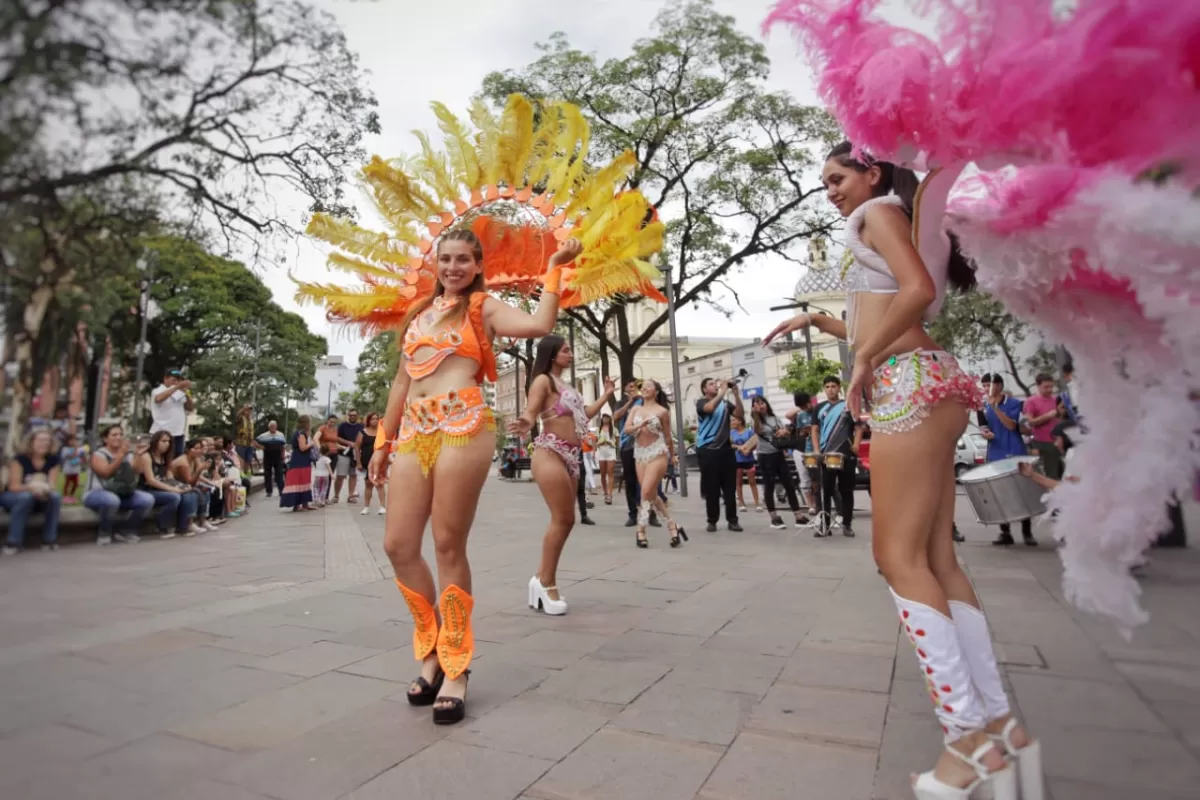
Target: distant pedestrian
(272, 442)
(170, 403)
(297, 490)
(243, 438)
(364, 449)
(347, 457)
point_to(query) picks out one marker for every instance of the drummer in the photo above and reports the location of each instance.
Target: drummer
(833, 432)
(1002, 414)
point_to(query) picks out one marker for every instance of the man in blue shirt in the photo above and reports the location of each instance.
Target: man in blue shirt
(1003, 433)
(833, 432)
(633, 491)
(718, 465)
(802, 420)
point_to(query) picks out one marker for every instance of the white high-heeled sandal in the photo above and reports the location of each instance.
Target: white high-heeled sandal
(1002, 782)
(1027, 760)
(538, 597)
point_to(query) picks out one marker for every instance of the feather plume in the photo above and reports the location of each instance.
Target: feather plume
(353, 239)
(432, 166)
(463, 157)
(487, 141)
(399, 197)
(516, 140)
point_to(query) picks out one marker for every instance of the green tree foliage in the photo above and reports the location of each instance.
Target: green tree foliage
(977, 327)
(802, 375)
(722, 159)
(377, 367)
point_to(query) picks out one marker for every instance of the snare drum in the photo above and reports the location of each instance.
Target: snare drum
(834, 460)
(810, 461)
(999, 493)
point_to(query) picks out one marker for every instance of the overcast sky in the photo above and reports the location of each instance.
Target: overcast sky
(417, 52)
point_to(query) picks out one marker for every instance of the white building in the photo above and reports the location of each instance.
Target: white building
(334, 376)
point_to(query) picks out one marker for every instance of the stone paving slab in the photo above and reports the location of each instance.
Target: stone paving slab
(269, 661)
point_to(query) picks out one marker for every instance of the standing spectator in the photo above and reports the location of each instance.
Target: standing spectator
(1003, 434)
(588, 448)
(179, 502)
(71, 458)
(114, 488)
(802, 421)
(32, 474)
(170, 403)
(1041, 415)
(297, 491)
(718, 466)
(833, 432)
(243, 439)
(365, 448)
(190, 469)
(744, 442)
(1072, 418)
(272, 443)
(772, 462)
(347, 459)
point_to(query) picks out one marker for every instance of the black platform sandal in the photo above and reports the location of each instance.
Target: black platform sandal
(453, 713)
(677, 534)
(428, 691)
(641, 539)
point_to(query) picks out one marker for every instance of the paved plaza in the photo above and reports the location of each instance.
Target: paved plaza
(270, 660)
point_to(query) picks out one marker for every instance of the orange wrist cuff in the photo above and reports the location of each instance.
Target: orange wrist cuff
(553, 280)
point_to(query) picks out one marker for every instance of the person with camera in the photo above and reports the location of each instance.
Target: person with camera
(170, 404)
(718, 465)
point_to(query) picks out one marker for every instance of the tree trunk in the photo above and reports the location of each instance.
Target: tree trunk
(625, 354)
(1012, 365)
(25, 346)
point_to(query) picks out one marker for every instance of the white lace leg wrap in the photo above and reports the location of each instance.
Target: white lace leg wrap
(644, 513)
(947, 673)
(976, 641)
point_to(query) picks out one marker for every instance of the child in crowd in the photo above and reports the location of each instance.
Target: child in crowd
(71, 457)
(321, 472)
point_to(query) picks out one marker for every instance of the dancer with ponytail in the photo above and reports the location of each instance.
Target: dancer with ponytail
(921, 403)
(653, 448)
(555, 461)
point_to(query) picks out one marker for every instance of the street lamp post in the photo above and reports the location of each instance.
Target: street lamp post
(680, 444)
(145, 265)
(254, 382)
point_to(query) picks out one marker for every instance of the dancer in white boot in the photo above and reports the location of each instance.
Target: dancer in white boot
(921, 399)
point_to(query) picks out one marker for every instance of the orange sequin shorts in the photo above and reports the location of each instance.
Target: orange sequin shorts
(450, 419)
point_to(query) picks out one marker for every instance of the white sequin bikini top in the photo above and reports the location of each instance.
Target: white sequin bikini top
(868, 272)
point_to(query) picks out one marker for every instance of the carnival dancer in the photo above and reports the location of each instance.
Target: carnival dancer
(650, 426)
(921, 398)
(606, 454)
(555, 461)
(507, 205)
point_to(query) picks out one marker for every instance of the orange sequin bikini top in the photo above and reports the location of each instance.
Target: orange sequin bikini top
(468, 340)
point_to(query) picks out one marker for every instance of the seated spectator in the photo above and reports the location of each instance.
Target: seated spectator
(178, 501)
(229, 472)
(114, 488)
(31, 475)
(190, 469)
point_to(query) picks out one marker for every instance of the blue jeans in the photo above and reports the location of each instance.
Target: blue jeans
(178, 443)
(20, 505)
(177, 508)
(107, 504)
(246, 454)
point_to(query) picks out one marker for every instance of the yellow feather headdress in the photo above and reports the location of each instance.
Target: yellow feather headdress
(522, 183)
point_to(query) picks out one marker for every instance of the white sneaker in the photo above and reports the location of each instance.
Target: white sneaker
(742, 509)
(103, 540)
(538, 597)
(192, 530)
(167, 535)
(9, 551)
(208, 526)
(127, 538)
(50, 548)
(381, 511)
(364, 512)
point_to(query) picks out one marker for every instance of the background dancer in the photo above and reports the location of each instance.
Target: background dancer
(606, 455)
(921, 399)
(556, 460)
(633, 492)
(654, 448)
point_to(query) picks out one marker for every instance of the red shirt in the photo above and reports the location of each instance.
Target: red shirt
(1036, 406)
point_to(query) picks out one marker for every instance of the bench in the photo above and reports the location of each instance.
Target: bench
(77, 523)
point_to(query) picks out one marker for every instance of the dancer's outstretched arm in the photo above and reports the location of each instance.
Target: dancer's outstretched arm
(535, 403)
(610, 388)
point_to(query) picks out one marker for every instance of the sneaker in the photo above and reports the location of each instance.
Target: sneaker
(803, 522)
(127, 538)
(756, 508)
(207, 526)
(364, 512)
(9, 550)
(957, 535)
(733, 526)
(166, 535)
(50, 548)
(742, 509)
(586, 521)
(192, 530)
(712, 527)
(654, 523)
(777, 523)
(1003, 540)
(381, 511)
(847, 531)
(631, 522)
(1030, 541)
(103, 540)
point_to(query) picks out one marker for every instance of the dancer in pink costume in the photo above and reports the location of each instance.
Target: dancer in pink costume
(1079, 103)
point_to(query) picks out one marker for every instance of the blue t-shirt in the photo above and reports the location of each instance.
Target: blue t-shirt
(627, 440)
(1005, 442)
(739, 438)
(802, 421)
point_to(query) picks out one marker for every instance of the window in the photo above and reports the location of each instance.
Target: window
(748, 356)
(719, 362)
(691, 370)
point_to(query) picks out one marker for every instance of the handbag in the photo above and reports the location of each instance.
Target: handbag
(124, 481)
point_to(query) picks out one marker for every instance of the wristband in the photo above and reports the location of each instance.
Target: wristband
(384, 441)
(552, 281)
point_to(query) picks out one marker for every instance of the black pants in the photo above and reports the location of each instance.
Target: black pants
(272, 474)
(837, 486)
(177, 444)
(718, 476)
(580, 493)
(1052, 460)
(1026, 528)
(774, 467)
(633, 492)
